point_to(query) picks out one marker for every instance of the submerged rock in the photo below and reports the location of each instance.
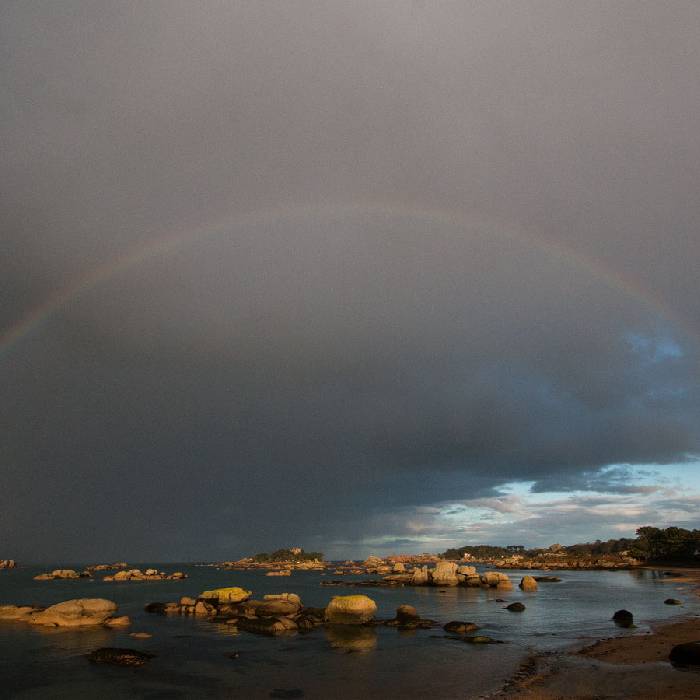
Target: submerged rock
(119, 657)
(623, 618)
(287, 693)
(350, 610)
(515, 607)
(672, 601)
(270, 626)
(157, 608)
(458, 627)
(480, 639)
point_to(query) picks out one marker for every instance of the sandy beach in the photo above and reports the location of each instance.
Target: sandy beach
(621, 667)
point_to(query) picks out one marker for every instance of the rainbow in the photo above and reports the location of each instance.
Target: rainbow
(161, 246)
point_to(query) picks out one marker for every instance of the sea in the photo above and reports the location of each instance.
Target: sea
(195, 658)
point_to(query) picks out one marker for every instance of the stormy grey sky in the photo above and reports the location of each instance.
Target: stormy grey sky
(363, 277)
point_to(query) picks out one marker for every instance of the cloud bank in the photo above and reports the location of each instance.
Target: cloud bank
(479, 272)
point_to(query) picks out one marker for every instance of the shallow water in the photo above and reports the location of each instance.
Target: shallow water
(192, 654)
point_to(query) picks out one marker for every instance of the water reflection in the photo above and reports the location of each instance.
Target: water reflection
(352, 638)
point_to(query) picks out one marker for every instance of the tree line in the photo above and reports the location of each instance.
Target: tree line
(652, 544)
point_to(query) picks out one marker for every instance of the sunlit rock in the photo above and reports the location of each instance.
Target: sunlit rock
(350, 610)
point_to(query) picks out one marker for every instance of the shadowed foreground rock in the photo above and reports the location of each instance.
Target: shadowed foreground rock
(119, 657)
(687, 654)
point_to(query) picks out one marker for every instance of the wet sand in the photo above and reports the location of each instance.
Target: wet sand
(623, 667)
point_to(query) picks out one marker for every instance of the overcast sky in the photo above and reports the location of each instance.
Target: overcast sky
(356, 276)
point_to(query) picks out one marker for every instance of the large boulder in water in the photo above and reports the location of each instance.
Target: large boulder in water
(494, 579)
(406, 614)
(284, 604)
(528, 584)
(81, 612)
(350, 610)
(444, 574)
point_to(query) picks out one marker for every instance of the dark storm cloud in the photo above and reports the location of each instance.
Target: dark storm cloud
(309, 375)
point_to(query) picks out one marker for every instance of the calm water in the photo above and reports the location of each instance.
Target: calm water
(192, 653)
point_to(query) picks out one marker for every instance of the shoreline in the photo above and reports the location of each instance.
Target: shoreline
(635, 666)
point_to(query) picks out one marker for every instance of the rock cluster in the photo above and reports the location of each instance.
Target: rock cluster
(447, 574)
(274, 614)
(147, 575)
(7, 564)
(80, 612)
(58, 573)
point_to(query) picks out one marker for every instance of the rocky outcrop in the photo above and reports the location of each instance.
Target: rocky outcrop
(81, 612)
(147, 575)
(7, 564)
(57, 574)
(17, 612)
(420, 576)
(444, 574)
(528, 584)
(350, 610)
(234, 594)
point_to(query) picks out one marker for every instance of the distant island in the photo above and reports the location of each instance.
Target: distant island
(293, 555)
(653, 545)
